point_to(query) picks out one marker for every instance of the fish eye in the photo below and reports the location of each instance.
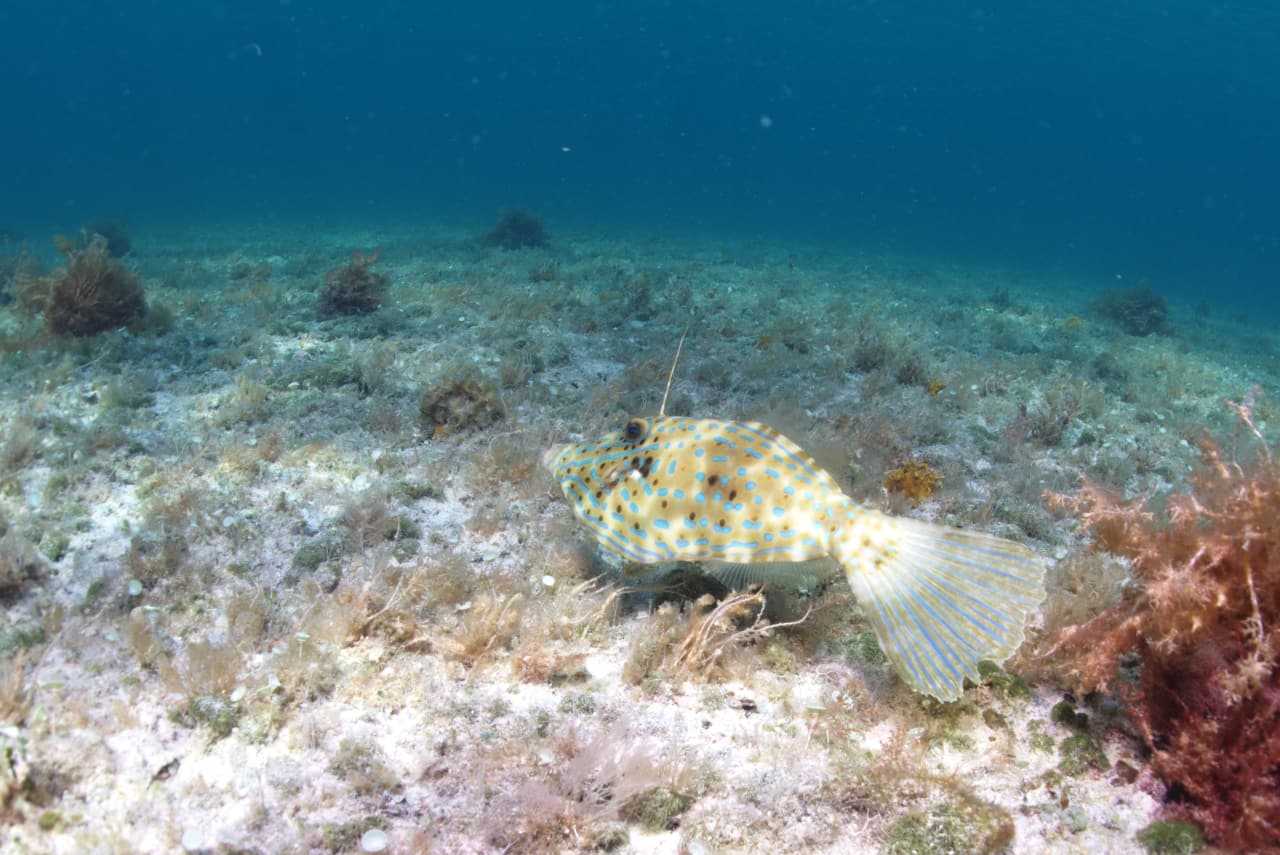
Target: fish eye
(634, 430)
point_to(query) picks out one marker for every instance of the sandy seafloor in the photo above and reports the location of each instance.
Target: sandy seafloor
(264, 608)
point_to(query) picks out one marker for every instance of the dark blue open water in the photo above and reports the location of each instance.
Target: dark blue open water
(1120, 138)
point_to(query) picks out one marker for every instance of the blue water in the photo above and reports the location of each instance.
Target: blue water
(1104, 139)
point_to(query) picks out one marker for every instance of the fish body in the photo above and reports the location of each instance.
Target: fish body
(671, 488)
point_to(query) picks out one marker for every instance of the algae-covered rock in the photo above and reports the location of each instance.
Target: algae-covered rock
(966, 825)
(864, 648)
(1003, 683)
(1171, 837)
(657, 809)
(217, 712)
(1064, 713)
(1081, 753)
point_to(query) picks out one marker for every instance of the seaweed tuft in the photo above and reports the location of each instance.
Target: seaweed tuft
(93, 293)
(1206, 697)
(354, 289)
(462, 401)
(1138, 311)
(517, 229)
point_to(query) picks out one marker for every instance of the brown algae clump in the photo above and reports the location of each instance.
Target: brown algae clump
(916, 480)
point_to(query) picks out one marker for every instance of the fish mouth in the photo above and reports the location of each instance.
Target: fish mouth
(550, 456)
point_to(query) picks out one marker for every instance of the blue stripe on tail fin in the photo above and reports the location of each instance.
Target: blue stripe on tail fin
(940, 599)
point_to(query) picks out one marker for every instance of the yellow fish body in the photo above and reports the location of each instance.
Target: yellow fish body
(680, 489)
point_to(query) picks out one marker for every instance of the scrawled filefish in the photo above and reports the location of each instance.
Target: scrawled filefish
(680, 489)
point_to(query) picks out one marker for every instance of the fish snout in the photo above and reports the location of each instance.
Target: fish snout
(551, 455)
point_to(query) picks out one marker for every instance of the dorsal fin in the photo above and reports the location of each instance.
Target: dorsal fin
(662, 410)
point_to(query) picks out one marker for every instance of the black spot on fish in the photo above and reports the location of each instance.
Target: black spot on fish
(712, 479)
(733, 494)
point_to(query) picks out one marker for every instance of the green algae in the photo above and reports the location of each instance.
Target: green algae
(656, 809)
(1000, 681)
(1081, 753)
(1171, 837)
(965, 825)
(1065, 714)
